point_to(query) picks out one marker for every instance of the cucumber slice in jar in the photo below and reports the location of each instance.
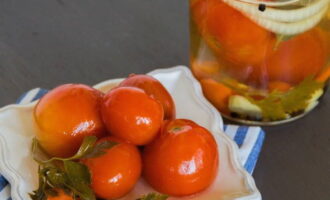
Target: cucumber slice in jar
(242, 106)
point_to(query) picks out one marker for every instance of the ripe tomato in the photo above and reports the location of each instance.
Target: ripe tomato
(205, 69)
(67, 114)
(230, 34)
(182, 160)
(154, 89)
(217, 93)
(60, 196)
(130, 114)
(115, 173)
(297, 58)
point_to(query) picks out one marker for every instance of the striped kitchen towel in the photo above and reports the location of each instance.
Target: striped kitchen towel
(248, 138)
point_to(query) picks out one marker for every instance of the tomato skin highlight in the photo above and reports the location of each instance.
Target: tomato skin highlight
(115, 173)
(130, 114)
(182, 160)
(153, 88)
(65, 115)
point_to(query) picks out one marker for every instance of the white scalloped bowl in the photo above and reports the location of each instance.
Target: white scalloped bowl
(232, 182)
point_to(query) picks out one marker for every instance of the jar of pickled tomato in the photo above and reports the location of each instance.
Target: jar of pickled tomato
(261, 61)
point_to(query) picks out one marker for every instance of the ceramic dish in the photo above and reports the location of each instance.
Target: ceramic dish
(232, 182)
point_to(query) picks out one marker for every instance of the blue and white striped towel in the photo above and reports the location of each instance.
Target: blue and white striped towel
(248, 138)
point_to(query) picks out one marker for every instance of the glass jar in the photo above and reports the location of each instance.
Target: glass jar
(261, 62)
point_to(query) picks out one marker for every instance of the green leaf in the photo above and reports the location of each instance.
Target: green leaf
(99, 149)
(153, 196)
(80, 179)
(270, 106)
(297, 98)
(77, 172)
(64, 173)
(39, 194)
(73, 177)
(278, 105)
(85, 148)
(39, 154)
(56, 177)
(44, 188)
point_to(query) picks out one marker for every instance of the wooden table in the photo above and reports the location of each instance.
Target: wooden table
(49, 42)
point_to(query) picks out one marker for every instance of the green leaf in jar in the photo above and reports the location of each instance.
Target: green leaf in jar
(297, 98)
(270, 106)
(278, 105)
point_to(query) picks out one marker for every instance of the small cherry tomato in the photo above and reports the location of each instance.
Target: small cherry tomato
(154, 89)
(65, 115)
(182, 160)
(130, 114)
(116, 172)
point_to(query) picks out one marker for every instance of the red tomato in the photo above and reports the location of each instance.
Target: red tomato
(297, 58)
(182, 160)
(67, 114)
(217, 93)
(230, 34)
(115, 173)
(129, 113)
(154, 89)
(205, 69)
